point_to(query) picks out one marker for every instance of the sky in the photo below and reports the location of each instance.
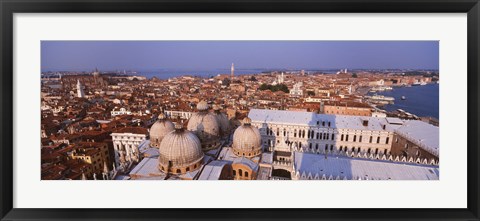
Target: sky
(209, 55)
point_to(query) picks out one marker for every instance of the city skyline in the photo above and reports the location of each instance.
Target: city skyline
(217, 55)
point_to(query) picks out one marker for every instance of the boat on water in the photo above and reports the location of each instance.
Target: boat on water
(381, 97)
(403, 98)
(423, 83)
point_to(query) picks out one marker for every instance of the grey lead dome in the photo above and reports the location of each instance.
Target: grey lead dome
(159, 129)
(180, 152)
(247, 140)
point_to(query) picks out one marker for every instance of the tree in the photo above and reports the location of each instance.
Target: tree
(226, 82)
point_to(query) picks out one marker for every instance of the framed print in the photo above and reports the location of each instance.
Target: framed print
(241, 110)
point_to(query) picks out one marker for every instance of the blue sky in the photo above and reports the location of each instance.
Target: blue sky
(208, 55)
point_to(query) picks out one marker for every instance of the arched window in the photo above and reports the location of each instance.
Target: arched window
(369, 149)
(240, 172)
(246, 174)
(234, 172)
(353, 149)
(376, 151)
(358, 149)
(354, 138)
(323, 123)
(178, 171)
(329, 124)
(316, 146)
(370, 139)
(341, 137)
(360, 139)
(346, 138)
(326, 147)
(333, 136)
(386, 141)
(378, 139)
(310, 146)
(331, 147)
(341, 148)
(188, 169)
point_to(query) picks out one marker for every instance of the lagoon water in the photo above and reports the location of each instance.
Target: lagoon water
(422, 101)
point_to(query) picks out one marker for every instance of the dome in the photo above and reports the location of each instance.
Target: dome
(247, 140)
(205, 126)
(159, 129)
(223, 122)
(202, 106)
(180, 152)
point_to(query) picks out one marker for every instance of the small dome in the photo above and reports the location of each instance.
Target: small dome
(247, 121)
(159, 129)
(162, 116)
(202, 106)
(247, 140)
(180, 152)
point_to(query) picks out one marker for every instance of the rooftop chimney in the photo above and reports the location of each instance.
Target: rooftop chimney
(365, 123)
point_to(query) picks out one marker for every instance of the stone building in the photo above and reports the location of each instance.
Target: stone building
(125, 142)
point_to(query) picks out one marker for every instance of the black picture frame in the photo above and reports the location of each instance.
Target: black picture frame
(9, 7)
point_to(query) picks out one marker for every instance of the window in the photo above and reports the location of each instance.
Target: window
(318, 136)
(341, 148)
(341, 137)
(316, 146)
(346, 138)
(369, 149)
(328, 124)
(358, 149)
(178, 171)
(360, 139)
(323, 123)
(310, 146)
(353, 149)
(370, 139)
(354, 138)
(246, 174)
(378, 139)
(321, 136)
(326, 147)
(386, 141)
(333, 136)
(328, 136)
(376, 151)
(331, 147)
(188, 169)
(234, 172)
(240, 172)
